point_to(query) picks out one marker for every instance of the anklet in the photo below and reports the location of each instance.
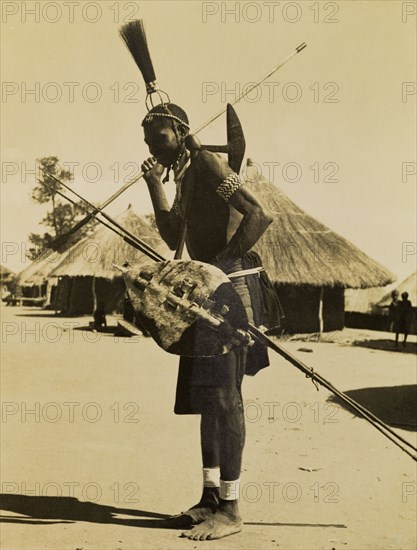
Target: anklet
(211, 477)
(229, 490)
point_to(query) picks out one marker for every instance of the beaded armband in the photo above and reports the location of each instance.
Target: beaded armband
(229, 186)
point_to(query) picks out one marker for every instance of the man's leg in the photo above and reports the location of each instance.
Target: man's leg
(231, 437)
(210, 450)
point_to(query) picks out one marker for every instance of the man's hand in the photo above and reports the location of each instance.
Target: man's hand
(253, 225)
(152, 170)
(168, 228)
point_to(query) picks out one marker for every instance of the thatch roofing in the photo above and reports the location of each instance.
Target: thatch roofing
(95, 255)
(362, 300)
(297, 249)
(408, 285)
(38, 271)
(6, 275)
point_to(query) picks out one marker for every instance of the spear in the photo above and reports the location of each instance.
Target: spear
(259, 336)
(297, 50)
(133, 47)
(63, 239)
(122, 232)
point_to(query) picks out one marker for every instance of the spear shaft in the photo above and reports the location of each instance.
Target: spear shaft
(259, 336)
(127, 185)
(136, 243)
(297, 50)
(140, 245)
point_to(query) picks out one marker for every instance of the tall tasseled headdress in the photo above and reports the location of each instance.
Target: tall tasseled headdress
(133, 33)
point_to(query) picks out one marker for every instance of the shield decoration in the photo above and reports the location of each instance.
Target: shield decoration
(189, 308)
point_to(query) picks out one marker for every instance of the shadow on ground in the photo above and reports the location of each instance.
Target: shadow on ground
(394, 405)
(44, 315)
(103, 330)
(386, 345)
(38, 510)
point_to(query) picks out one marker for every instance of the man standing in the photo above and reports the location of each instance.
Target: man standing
(394, 315)
(223, 220)
(405, 312)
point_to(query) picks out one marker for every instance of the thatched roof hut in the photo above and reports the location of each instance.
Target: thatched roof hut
(408, 285)
(297, 249)
(6, 275)
(95, 255)
(310, 264)
(33, 282)
(87, 275)
(362, 300)
(38, 271)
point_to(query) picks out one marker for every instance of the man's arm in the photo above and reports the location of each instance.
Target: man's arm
(255, 222)
(168, 223)
(217, 173)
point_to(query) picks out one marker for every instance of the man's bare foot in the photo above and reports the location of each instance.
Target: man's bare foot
(197, 514)
(226, 521)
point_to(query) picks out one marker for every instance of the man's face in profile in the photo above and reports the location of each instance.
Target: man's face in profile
(162, 142)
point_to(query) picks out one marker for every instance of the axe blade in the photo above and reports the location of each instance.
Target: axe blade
(236, 143)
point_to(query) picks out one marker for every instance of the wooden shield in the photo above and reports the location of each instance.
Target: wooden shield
(189, 308)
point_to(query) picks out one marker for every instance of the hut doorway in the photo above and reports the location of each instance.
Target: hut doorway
(310, 309)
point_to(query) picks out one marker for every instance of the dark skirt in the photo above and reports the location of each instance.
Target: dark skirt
(200, 379)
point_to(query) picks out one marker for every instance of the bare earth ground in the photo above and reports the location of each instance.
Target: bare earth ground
(101, 456)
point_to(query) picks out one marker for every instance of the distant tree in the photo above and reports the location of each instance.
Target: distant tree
(62, 215)
(46, 189)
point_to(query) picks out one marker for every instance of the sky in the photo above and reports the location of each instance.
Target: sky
(335, 128)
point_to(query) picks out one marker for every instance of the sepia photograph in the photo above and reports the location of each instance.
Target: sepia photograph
(208, 275)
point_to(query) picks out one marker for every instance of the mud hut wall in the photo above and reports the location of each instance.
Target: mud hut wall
(63, 295)
(108, 292)
(53, 296)
(333, 309)
(370, 321)
(81, 300)
(34, 290)
(377, 320)
(301, 308)
(111, 293)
